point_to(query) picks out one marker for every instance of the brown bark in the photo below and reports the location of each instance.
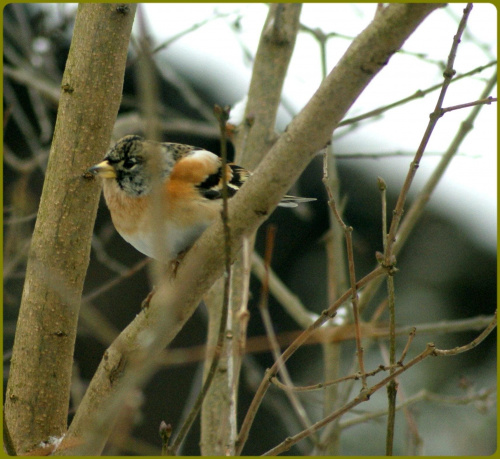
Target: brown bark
(38, 388)
(273, 56)
(131, 358)
(276, 45)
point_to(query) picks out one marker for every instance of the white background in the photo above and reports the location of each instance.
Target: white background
(213, 55)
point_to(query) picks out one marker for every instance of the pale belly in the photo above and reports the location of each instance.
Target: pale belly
(167, 243)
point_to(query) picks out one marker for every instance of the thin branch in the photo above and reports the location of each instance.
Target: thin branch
(417, 95)
(407, 346)
(105, 259)
(243, 314)
(416, 209)
(33, 80)
(187, 31)
(99, 326)
(25, 165)
(323, 385)
(134, 122)
(434, 117)
(423, 197)
(20, 219)
(28, 132)
(392, 386)
(422, 395)
(116, 280)
(413, 435)
(393, 154)
(352, 276)
(486, 101)
(472, 344)
(256, 344)
(365, 395)
(222, 115)
(175, 301)
(290, 302)
(362, 397)
(271, 336)
(325, 315)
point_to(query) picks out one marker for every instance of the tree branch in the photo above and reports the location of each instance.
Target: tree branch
(40, 373)
(252, 141)
(175, 301)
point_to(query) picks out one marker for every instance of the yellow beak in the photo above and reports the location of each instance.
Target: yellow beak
(104, 169)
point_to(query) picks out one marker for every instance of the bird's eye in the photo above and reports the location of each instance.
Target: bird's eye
(129, 163)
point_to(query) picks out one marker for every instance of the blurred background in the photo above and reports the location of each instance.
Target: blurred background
(447, 269)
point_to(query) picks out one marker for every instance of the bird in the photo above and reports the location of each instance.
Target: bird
(162, 196)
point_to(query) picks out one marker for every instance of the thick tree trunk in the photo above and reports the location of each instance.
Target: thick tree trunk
(129, 362)
(37, 395)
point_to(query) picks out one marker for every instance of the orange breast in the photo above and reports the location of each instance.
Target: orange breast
(182, 216)
(127, 213)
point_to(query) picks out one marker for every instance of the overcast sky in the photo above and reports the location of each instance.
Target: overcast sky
(214, 55)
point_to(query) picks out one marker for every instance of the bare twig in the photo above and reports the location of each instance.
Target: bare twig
(256, 344)
(187, 31)
(243, 314)
(323, 385)
(26, 128)
(134, 122)
(115, 281)
(290, 302)
(393, 154)
(105, 259)
(352, 276)
(422, 395)
(422, 198)
(434, 117)
(222, 115)
(472, 344)
(35, 81)
(416, 209)
(325, 315)
(486, 101)
(19, 219)
(417, 95)
(392, 386)
(411, 335)
(275, 348)
(362, 397)
(365, 395)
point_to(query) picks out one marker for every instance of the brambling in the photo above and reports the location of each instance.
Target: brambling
(164, 224)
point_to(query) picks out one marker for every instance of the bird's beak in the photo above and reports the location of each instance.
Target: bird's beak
(104, 169)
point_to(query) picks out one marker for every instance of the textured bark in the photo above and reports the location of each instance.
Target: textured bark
(273, 56)
(130, 359)
(37, 395)
(276, 45)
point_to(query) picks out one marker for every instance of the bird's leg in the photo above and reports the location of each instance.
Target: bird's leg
(175, 263)
(147, 300)
(172, 268)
